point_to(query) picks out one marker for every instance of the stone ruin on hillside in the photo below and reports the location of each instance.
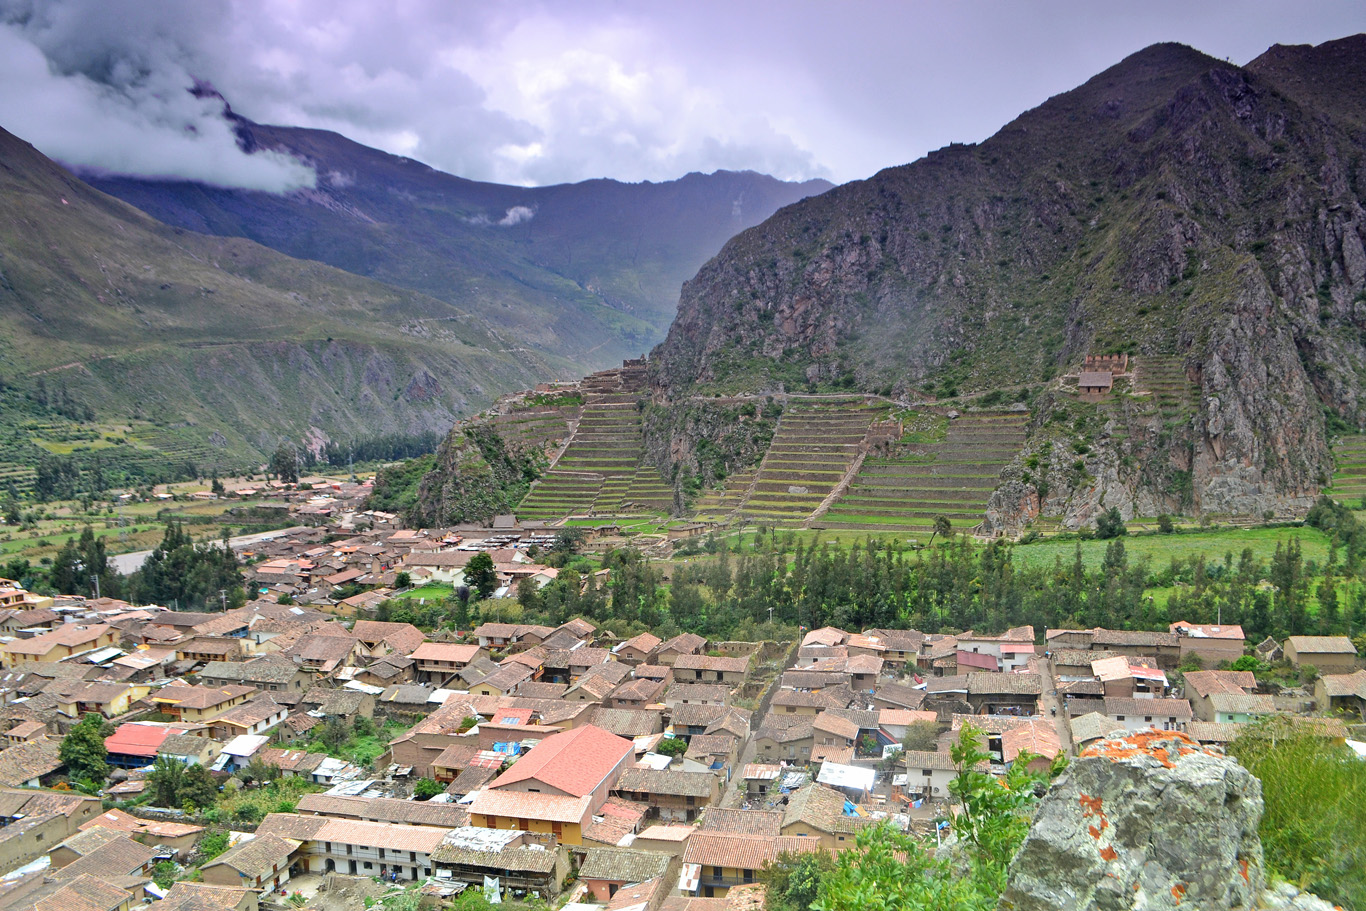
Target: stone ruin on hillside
(1149, 820)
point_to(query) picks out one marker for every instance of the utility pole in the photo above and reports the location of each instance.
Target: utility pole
(96, 581)
(223, 596)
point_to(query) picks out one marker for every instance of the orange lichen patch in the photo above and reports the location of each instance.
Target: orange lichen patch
(1095, 833)
(1179, 892)
(1242, 864)
(1091, 804)
(1164, 746)
(1109, 853)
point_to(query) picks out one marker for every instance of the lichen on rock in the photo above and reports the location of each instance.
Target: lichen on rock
(1147, 820)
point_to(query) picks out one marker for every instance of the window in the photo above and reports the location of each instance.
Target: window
(412, 856)
(381, 854)
(1119, 717)
(1148, 718)
(369, 866)
(716, 872)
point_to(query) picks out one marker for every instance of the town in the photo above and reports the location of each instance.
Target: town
(298, 752)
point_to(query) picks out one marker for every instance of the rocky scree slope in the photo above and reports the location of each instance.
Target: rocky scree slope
(1173, 206)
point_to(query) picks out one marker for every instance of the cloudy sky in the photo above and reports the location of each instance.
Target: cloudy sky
(531, 92)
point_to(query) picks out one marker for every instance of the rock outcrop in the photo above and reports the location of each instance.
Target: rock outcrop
(1177, 207)
(1150, 820)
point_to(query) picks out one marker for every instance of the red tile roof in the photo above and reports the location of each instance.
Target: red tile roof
(575, 761)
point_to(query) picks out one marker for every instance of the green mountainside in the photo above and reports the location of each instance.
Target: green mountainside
(587, 272)
(1204, 218)
(135, 345)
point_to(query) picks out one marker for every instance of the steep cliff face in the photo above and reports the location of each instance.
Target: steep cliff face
(473, 476)
(1174, 206)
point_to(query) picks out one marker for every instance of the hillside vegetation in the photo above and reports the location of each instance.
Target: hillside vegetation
(140, 346)
(587, 272)
(1204, 217)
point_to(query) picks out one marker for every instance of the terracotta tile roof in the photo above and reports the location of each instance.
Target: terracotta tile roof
(645, 642)
(1344, 685)
(684, 643)
(741, 852)
(785, 728)
(759, 823)
(120, 856)
(1204, 731)
(623, 865)
(1179, 709)
(628, 722)
(1322, 645)
(831, 724)
(575, 761)
(185, 896)
(291, 825)
(1005, 684)
(1207, 683)
(924, 759)
(667, 782)
(32, 759)
(445, 651)
(1039, 738)
(521, 805)
(385, 809)
(258, 857)
(200, 697)
(1094, 725)
(422, 839)
(1242, 703)
(71, 635)
(711, 663)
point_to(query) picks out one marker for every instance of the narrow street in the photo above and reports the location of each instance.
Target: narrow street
(1050, 706)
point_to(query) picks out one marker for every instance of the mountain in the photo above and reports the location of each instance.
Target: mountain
(132, 344)
(587, 272)
(1205, 218)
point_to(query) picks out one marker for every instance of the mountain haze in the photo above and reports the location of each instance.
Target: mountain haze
(217, 348)
(588, 272)
(1173, 207)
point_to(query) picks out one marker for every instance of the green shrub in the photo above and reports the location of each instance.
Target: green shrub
(1314, 823)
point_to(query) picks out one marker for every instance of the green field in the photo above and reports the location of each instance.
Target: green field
(1162, 548)
(429, 592)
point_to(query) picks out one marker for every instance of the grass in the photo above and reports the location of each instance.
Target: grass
(435, 592)
(1161, 548)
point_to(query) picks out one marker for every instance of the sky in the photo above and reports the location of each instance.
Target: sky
(534, 93)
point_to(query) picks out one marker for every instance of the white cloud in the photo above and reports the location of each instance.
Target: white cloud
(532, 92)
(137, 118)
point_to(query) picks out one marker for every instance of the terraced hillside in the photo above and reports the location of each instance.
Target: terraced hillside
(954, 478)
(813, 448)
(1349, 474)
(1173, 394)
(600, 470)
(717, 505)
(539, 428)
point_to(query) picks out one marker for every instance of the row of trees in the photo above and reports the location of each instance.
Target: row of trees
(962, 584)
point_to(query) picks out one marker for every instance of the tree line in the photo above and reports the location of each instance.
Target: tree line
(963, 584)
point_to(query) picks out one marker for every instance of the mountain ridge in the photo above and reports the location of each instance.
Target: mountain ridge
(1172, 205)
(587, 272)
